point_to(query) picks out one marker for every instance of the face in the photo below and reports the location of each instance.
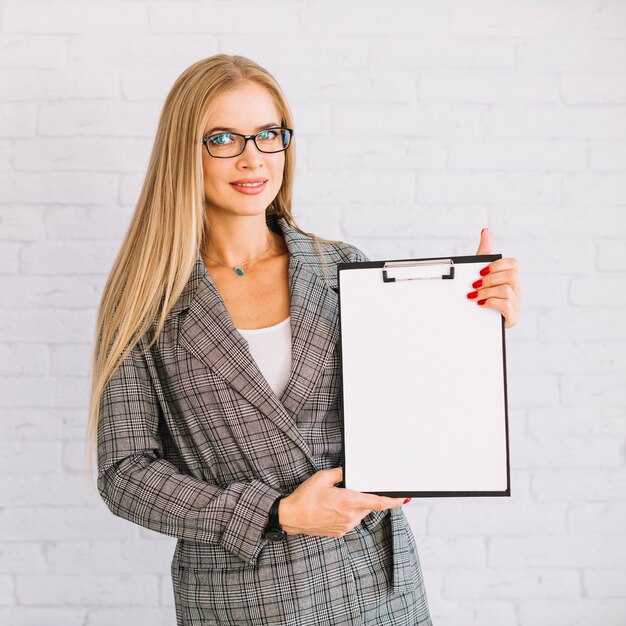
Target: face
(244, 109)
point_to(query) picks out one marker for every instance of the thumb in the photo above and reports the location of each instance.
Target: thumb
(486, 242)
(333, 476)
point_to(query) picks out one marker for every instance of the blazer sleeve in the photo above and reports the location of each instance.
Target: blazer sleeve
(138, 484)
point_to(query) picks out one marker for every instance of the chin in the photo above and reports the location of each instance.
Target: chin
(243, 211)
(244, 206)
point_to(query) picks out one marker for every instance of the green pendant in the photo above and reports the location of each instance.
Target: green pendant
(238, 271)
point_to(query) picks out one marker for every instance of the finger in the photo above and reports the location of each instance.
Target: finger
(482, 289)
(498, 265)
(378, 503)
(504, 291)
(389, 503)
(507, 309)
(503, 277)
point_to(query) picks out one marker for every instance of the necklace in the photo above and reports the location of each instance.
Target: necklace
(237, 268)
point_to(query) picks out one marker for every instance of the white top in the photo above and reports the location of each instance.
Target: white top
(271, 349)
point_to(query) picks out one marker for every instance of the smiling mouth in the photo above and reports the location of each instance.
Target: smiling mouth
(249, 184)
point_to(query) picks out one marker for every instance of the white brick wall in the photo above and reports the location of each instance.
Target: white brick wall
(419, 122)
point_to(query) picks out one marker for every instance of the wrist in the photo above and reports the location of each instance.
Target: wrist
(274, 530)
(285, 512)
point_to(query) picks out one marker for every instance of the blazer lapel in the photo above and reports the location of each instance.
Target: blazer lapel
(208, 333)
(314, 330)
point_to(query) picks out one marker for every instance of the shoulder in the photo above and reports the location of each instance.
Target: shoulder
(319, 256)
(343, 252)
(331, 251)
(312, 249)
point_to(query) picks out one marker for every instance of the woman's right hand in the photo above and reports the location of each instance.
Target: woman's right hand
(319, 508)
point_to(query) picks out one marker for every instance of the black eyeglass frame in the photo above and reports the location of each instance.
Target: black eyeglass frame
(245, 142)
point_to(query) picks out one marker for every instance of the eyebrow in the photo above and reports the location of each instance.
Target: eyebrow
(232, 130)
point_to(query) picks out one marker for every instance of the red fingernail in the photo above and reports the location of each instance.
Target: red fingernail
(484, 271)
(472, 294)
(477, 284)
(407, 500)
(482, 301)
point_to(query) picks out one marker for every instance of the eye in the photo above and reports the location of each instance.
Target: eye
(267, 134)
(220, 140)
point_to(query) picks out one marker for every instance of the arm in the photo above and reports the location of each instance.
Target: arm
(139, 485)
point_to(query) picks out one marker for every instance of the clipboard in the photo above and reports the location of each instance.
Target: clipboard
(423, 370)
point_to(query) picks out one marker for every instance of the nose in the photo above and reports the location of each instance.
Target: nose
(251, 155)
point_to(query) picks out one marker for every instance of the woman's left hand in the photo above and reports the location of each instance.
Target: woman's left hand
(497, 287)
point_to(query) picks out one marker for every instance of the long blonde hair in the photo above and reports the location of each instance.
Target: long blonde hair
(166, 231)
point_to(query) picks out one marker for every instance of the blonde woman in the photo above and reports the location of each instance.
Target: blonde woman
(216, 378)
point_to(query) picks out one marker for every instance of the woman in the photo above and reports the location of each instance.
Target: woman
(215, 388)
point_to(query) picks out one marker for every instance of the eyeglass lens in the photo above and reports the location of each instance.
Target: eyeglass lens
(230, 144)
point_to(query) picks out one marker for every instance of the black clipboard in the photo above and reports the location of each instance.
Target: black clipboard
(412, 345)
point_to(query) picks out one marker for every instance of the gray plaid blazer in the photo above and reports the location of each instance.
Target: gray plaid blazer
(193, 443)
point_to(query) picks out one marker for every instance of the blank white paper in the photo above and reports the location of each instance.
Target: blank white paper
(423, 383)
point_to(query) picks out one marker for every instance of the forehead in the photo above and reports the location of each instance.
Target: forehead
(244, 108)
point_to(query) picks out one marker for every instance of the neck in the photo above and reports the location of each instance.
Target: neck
(238, 239)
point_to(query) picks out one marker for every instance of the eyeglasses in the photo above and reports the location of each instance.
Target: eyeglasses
(226, 145)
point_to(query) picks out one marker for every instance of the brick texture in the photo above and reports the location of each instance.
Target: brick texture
(418, 123)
